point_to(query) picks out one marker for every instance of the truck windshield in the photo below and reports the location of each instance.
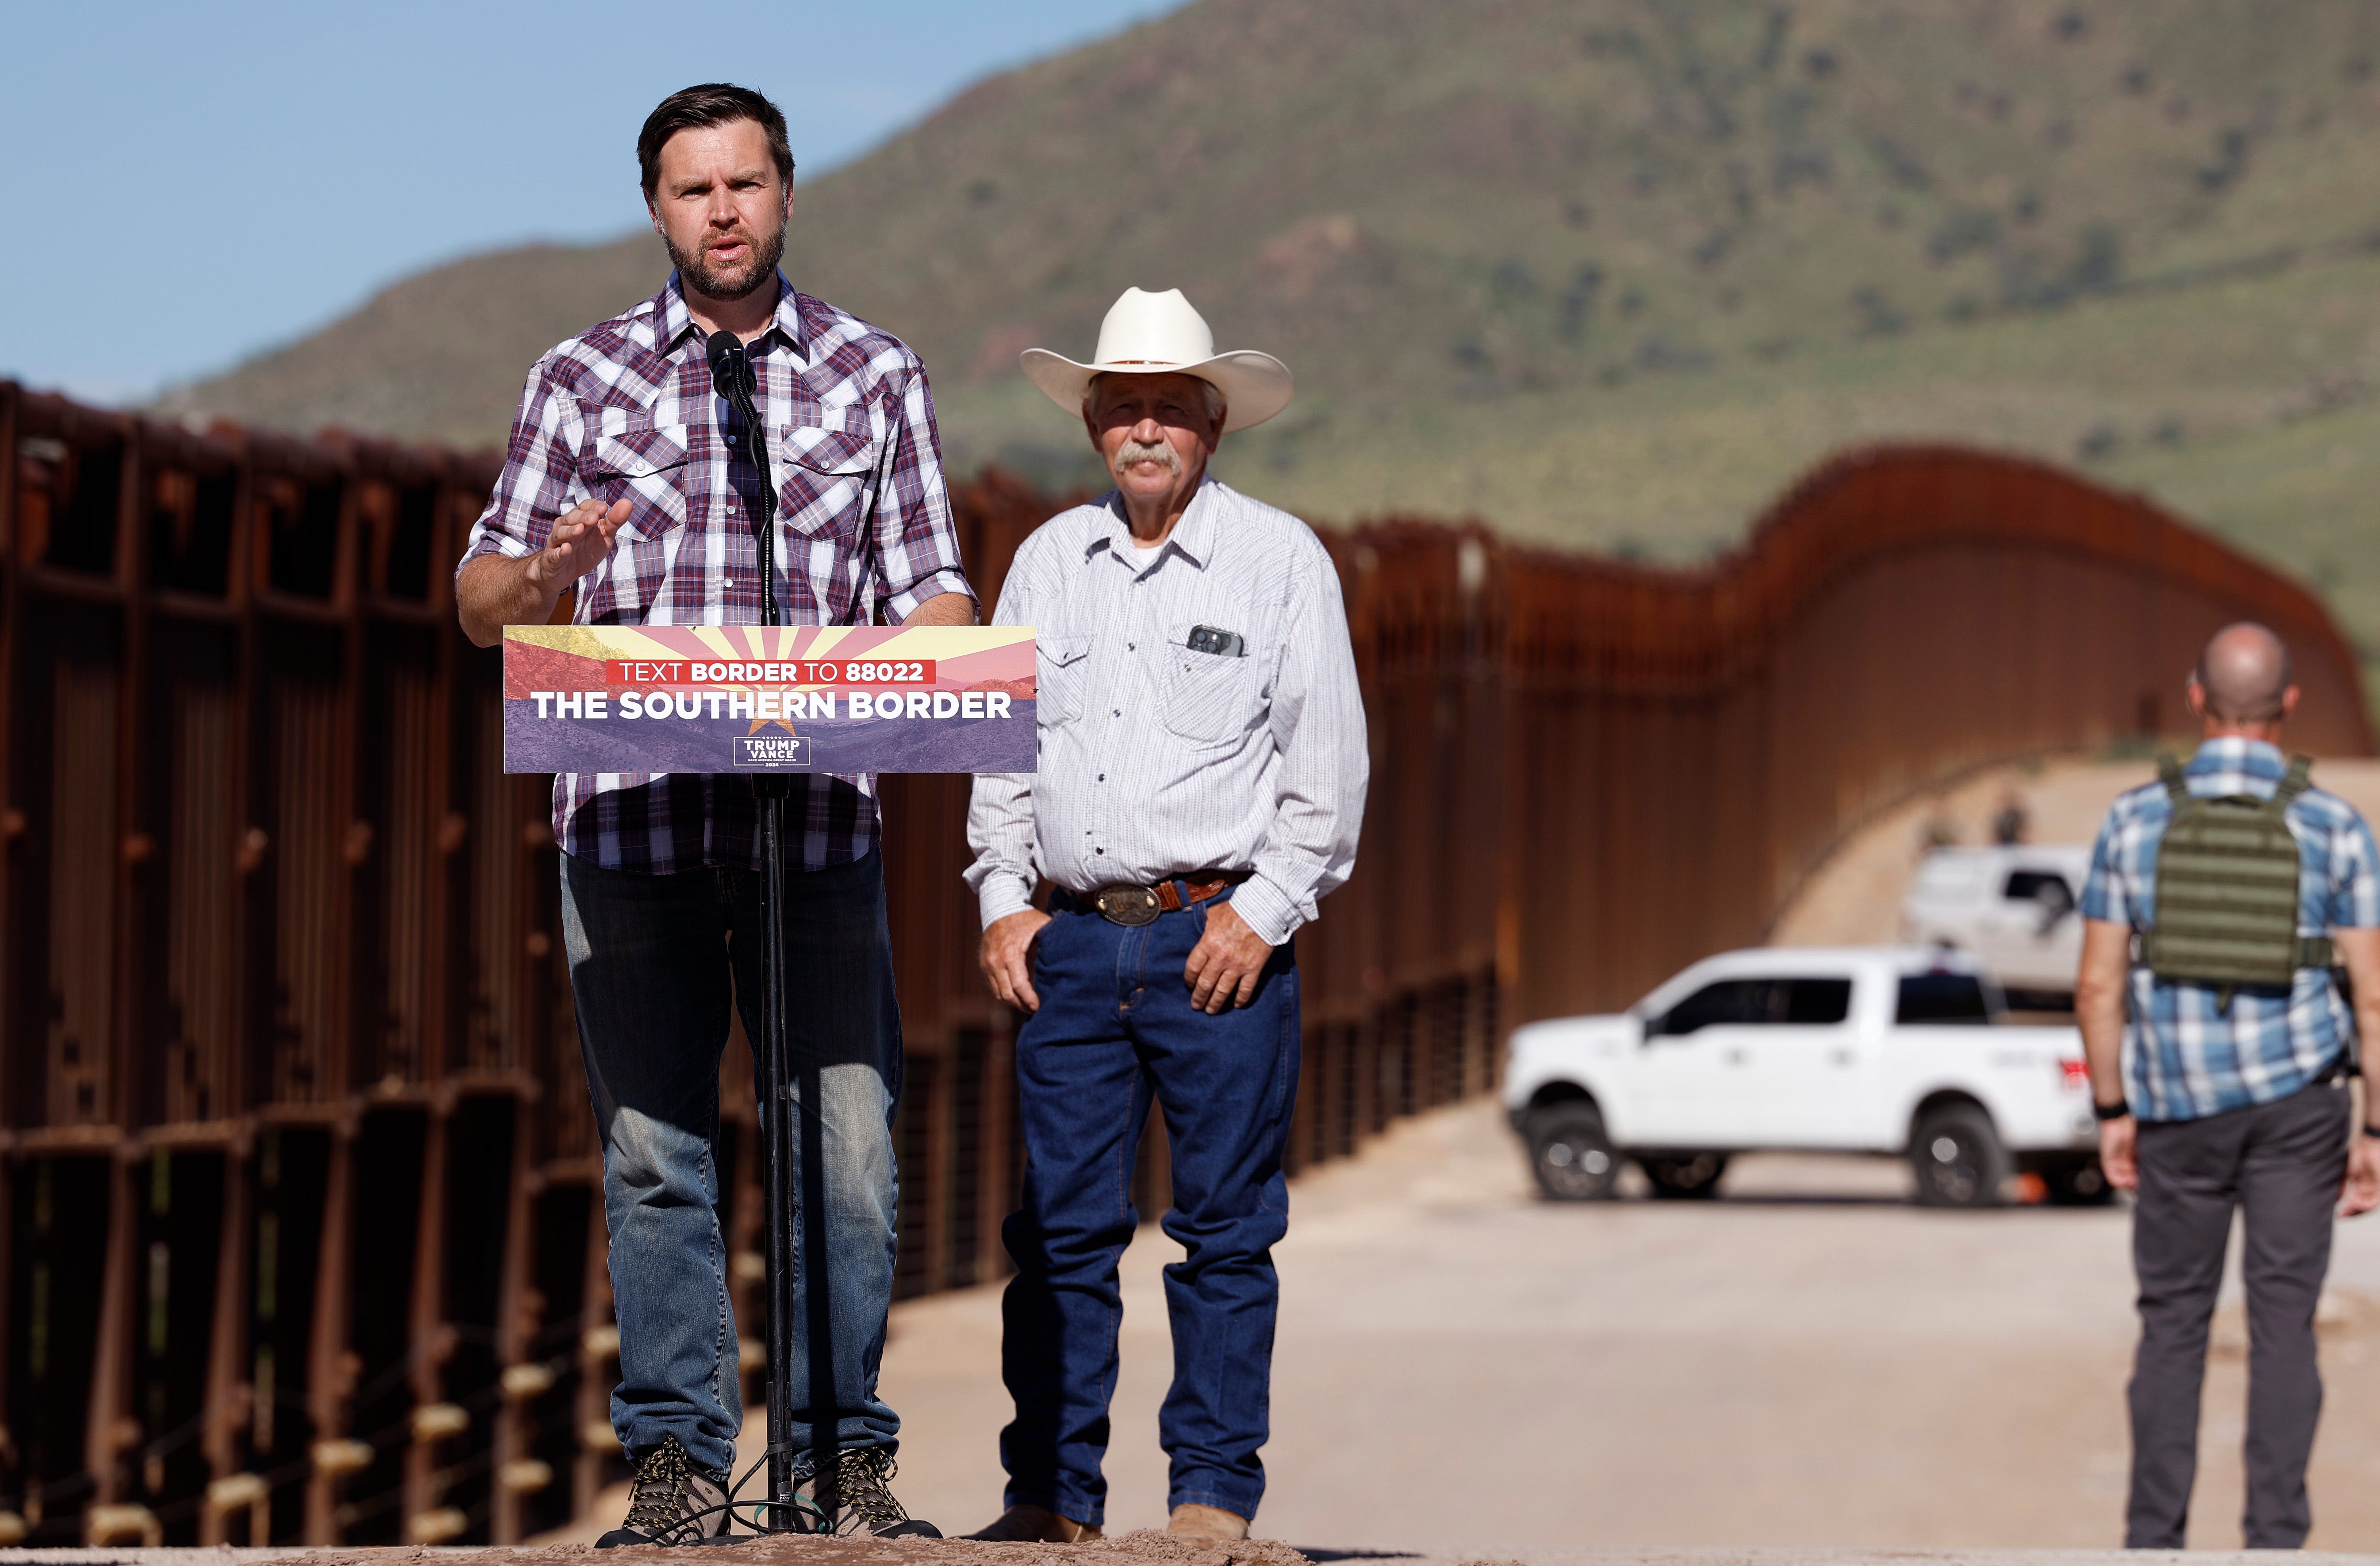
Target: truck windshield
(1942, 998)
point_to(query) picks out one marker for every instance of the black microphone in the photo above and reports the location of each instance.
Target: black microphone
(730, 370)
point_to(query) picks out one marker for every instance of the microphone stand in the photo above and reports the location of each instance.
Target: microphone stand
(732, 375)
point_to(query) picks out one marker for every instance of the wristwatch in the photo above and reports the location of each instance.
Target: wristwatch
(2116, 1110)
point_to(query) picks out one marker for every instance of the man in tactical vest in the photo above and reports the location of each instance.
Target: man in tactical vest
(2247, 889)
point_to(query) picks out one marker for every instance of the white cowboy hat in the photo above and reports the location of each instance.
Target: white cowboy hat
(1148, 333)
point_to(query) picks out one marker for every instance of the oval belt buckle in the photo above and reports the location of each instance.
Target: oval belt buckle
(1128, 905)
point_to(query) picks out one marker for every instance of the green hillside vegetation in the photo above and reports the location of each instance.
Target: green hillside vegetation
(1608, 272)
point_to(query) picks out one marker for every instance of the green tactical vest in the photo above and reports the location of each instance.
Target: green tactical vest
(2226, 890)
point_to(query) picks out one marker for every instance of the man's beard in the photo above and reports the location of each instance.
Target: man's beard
(695, 273)
(1151, 450)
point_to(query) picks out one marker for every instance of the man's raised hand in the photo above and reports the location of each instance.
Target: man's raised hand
(496, 590)
(581, 542)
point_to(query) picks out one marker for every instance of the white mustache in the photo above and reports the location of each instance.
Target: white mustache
(1149, 451)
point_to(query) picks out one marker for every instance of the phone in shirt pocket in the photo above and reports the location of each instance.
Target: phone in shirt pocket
(1210, 696)
(1222, 643)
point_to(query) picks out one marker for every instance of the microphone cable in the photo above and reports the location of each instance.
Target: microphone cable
(733, 377)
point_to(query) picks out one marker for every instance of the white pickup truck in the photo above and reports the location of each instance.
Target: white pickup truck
(1876, 1050)
(2015, 909)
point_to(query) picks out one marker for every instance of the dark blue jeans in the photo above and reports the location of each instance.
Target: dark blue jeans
(1115, 1029)
(653, 962)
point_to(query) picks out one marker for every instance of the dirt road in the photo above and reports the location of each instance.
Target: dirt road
(1465, 1370)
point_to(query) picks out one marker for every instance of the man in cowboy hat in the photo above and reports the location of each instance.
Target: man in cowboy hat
(1201, 782)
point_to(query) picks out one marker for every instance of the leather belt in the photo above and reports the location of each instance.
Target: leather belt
(1128, 902)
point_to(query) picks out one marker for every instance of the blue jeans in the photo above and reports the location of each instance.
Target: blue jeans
(653, 962)
(1115, 1029)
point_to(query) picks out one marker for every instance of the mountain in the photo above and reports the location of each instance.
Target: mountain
(1606, 271)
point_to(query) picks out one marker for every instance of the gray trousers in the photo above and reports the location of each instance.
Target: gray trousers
(2280, 1164)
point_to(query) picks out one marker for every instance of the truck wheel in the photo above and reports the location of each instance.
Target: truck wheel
(1571, 1153)
(2078, 1182)
(1958, 1158)
(1685, 1174)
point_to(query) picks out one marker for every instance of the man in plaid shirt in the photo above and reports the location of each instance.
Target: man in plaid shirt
(2212, 1101)
(628, 479)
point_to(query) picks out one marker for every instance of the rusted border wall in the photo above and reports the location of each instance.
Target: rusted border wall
(298, 1215)
(1683, 748)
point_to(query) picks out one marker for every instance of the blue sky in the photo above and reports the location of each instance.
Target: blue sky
(188, 184)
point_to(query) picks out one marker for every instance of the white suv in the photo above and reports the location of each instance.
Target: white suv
(2013, 908)
(1876, 1050)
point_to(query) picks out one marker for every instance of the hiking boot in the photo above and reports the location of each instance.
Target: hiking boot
(1027, 1523)
(1212, 1523)
(672, 1501)
(860, 1498)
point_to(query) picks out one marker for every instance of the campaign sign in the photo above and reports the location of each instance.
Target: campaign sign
(753, 699)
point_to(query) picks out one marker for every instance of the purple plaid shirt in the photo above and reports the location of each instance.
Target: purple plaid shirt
(627, 412)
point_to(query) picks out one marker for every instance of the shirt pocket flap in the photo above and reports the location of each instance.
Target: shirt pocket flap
(1060, 673)
(627, 447)
(823, 449)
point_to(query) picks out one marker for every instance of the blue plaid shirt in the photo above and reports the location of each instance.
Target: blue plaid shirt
(2184, 1059)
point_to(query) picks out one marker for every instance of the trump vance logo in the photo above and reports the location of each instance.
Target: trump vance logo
(772, 750)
